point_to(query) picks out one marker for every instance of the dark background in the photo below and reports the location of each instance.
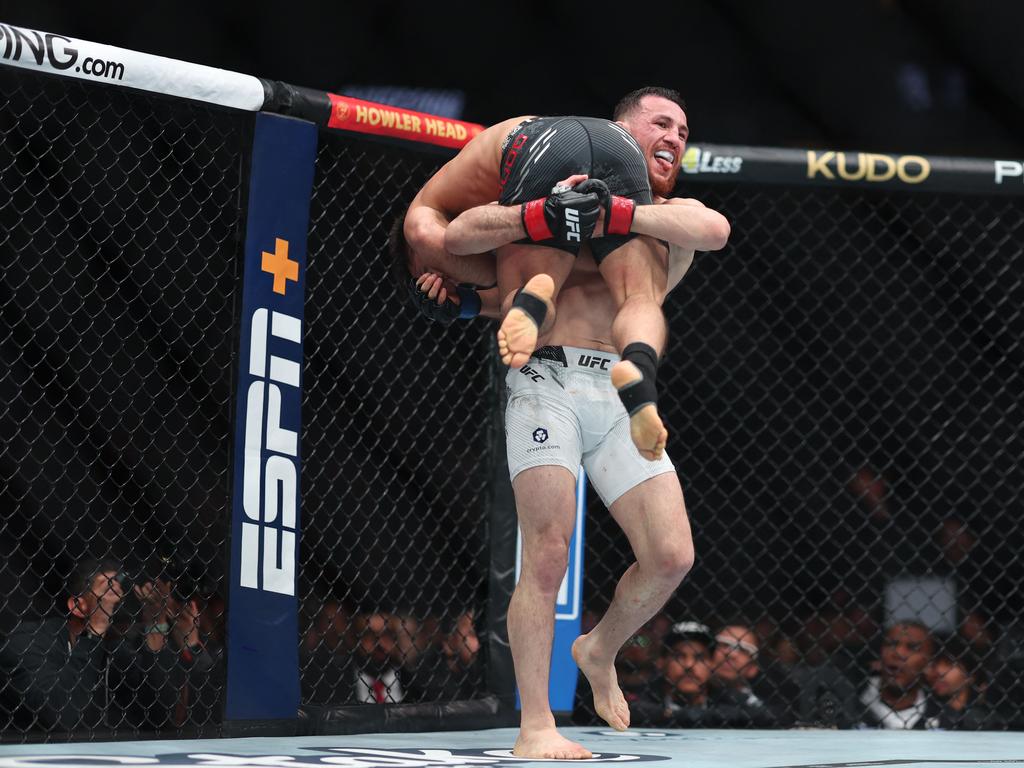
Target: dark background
(915, 76)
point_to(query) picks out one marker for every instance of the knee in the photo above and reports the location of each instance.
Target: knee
(672, 560)
(544, 562)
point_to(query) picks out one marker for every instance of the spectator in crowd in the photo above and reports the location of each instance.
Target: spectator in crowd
(54, 670)
(740, 682)
(377, 676)
(324, 657)
(637, 662)
(412, 636)
(213, 617)
(450, 670)
(685, 673)
(170, 672)
(734, 664)
(897, 697)
(682, 696)
(957, 686)
(331, 629)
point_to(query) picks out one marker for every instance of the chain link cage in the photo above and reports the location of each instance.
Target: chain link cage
(842, 386)
(398, 451)
(122, 218)
(118, 221)
(843, 389)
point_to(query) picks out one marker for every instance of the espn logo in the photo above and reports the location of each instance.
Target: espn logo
(572, 224)
(270, 473)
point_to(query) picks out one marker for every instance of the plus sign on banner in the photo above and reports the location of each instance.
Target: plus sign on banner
(280, 266)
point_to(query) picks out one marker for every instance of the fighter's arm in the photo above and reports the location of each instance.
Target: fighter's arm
(425, 228)
(488, 227)
(679, 258)
(685, 223)
(437, 289)
(485, 227)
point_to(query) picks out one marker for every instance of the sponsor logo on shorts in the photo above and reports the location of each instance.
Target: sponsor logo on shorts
(510, 156)
(697, 160)
(53, 51)
(1008, 169)
(532, 373)
(336, 756)
(592, 361)
(540, 435)
(865, 166)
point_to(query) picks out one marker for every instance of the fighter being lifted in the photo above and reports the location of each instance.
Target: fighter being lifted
(538, 234)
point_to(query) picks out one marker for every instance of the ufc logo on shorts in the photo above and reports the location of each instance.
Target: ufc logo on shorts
(589, 361)
(572, 224)
(269, 473)
(526, 370)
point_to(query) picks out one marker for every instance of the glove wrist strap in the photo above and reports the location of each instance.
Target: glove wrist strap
(534, 223)
(620, 216)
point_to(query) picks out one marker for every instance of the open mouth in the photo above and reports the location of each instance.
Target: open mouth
(665, 159)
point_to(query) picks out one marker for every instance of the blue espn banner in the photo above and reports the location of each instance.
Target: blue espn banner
(263, 663)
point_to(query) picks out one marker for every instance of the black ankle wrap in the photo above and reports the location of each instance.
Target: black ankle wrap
(644, 391)
(532, 306)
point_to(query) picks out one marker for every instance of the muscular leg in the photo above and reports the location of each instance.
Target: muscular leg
(539, 271)
(653, 517)
(546, 505)
(636, 275)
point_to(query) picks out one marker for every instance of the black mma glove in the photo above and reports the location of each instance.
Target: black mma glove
(618, 211)
(565, 216)
(449, 311)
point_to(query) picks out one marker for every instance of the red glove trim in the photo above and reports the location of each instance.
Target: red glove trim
(620, 216)
(534, 222)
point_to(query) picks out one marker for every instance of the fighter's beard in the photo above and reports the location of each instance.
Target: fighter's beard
(662, 187)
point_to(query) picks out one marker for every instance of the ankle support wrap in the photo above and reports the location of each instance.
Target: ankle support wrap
(644, 391)
(532, 306)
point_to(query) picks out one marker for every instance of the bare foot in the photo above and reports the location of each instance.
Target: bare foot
(645, 426)
(517, 336)
(609, 703)
(549, 744)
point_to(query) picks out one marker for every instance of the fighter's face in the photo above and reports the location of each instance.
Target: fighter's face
(659, 127)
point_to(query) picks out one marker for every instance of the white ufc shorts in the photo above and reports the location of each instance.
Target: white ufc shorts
(563, 411)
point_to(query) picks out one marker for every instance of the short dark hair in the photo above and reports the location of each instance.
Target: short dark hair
(631, 101)
(82, 576)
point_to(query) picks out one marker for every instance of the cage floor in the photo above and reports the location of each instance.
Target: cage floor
(693, 749)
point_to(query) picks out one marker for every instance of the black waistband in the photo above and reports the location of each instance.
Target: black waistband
(554, 354)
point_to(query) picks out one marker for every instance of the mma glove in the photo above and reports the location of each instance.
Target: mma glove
(448, 311)
(565, 216)
(618, 211)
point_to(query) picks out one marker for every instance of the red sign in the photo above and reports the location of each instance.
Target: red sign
(349, 114)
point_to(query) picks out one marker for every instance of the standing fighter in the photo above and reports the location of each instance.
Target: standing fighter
(570, 397)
